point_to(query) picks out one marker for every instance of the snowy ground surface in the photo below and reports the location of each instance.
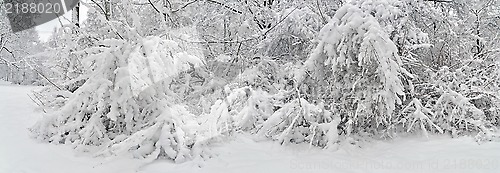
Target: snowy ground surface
(21, 154)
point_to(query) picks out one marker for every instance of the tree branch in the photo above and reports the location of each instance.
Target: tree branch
(184, 6)
(225, 6)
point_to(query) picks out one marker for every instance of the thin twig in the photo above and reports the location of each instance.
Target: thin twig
(184, 6)
(39, 104)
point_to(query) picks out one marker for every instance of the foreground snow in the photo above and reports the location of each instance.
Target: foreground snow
(20, 153)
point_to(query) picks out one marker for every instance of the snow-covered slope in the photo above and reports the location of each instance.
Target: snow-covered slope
(19, 153)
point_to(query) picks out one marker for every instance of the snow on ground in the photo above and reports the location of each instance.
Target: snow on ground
(21, 154)
(2, 82)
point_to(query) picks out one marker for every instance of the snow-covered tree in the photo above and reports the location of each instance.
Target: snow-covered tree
(361, 69)
(15, 64)
(126, 102)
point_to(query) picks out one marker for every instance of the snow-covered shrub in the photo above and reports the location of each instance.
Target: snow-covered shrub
(421, 115)
(361, 70)
(299, 121)
(171, 136)
(273, 116)
(462, 101)
(126, 104)
(256, 110)
(455, 113)
(269, 106)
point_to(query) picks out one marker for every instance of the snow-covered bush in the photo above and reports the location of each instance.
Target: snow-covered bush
(359, 84)
(256, 110)
(462, 101)
(361, 69)
(273, 116)
(126, 103)
(417, 113)
(456, 114)
(172, 135)
(299, 121)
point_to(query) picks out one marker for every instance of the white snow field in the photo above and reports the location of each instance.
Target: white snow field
(21, 154)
